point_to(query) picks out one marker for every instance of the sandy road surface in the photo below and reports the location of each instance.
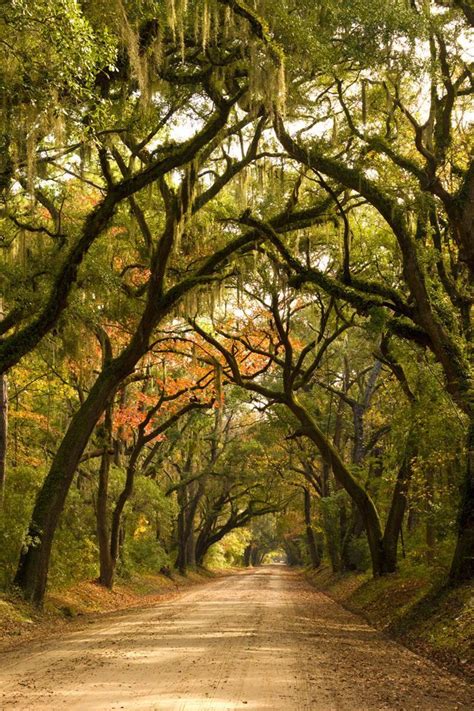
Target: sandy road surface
(260, 639)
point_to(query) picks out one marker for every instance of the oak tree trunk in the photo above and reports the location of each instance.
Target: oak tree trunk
(106, 569)
(357, 492)
(3, 433)
(32, 573)
(310, 537)
(462, 567)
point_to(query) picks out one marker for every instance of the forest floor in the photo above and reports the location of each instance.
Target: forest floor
(261, 639)
(411, 606)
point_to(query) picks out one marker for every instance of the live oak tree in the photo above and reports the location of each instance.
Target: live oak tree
(222, 479)
(291, 366)
(154, 154)
(120, 182)
(409, 163)
(101, 73)
(157, 408)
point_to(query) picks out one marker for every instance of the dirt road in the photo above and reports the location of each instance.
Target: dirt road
(261, 639)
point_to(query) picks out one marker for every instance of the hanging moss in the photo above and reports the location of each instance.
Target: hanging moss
(182, 14)
(156, 53)
(31, 143)
(364, 101)
(205, 25)
(281, 88)
(138, 62)
(171, 17)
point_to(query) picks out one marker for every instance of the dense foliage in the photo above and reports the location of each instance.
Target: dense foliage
(236, 284)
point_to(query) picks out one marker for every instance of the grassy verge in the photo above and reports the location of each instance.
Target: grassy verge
(409, 606)
(20, 621)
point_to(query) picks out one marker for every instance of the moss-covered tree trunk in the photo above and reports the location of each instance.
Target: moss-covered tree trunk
(32, 572)
(189, 535)
(248, 555)
(293, 553)
(357, 492)
(454, 358)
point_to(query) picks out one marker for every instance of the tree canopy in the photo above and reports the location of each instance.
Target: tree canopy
(237, 268)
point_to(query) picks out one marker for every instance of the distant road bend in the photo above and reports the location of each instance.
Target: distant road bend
(261, 639)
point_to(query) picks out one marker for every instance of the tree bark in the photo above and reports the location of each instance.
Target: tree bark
(397, 511)
(106, 569)
(190, 515)
(32, 572)
(191, 550)
(358, 494)
(181, 560)
(310, 537)
(462, 567)
(3, 425)
(116, 528)
(3, 434)
(430, 533)
(293, 553)
(247, 559)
